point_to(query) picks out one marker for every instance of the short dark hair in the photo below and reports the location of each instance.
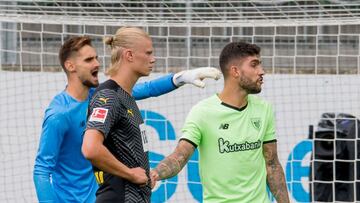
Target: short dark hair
(236, 50)
(70, 46)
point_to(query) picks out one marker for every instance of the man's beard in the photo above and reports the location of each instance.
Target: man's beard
(249, 86)
(90, 84)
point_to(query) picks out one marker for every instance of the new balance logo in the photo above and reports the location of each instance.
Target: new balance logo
(224, 126)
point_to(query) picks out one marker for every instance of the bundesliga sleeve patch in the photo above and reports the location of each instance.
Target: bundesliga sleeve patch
(99, 115)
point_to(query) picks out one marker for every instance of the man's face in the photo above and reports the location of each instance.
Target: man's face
(251, 74)
(143, 53)
(86, 66)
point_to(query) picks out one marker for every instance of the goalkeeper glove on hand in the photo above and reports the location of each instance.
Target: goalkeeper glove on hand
(195, 76)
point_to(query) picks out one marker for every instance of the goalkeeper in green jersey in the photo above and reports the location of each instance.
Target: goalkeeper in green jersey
(234, 132)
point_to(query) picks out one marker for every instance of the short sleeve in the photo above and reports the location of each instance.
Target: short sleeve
(103, 111)
(192, 127)
(270, 128)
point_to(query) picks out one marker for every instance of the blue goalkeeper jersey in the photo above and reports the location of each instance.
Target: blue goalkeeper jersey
(61, 172)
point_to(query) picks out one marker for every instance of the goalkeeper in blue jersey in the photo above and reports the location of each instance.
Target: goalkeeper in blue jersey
(61, 173)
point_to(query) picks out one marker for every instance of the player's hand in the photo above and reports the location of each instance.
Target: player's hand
(196, 76)
(138, 176)
(154, 176)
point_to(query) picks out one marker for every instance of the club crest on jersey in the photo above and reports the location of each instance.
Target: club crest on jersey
(256, 123)
(99, 115)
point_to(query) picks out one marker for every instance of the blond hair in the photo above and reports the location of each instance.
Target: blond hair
(124, 38)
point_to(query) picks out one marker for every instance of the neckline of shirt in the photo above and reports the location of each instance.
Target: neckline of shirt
(231, 106)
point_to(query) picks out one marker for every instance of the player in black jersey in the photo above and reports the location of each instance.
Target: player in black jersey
(115, 140)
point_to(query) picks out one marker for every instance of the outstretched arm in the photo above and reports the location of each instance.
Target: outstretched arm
(170, 82)
(275, 173)
(173, 163)
(154, 87)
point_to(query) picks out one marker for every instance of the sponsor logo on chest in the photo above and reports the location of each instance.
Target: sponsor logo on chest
(226, 146)
(253, 127)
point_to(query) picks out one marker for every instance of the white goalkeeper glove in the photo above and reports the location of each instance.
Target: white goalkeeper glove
(195, 76)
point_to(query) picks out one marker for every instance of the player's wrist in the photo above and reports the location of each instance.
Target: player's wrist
(178, 80)
(128, 174)
(154, 174)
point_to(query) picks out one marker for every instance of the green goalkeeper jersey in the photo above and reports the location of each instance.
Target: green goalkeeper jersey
(230, 140)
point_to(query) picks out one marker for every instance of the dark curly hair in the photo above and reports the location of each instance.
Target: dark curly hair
(236, 50)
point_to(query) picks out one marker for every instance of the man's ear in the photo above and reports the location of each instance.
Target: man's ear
(129, 55)
(234, 71)
(69, 65)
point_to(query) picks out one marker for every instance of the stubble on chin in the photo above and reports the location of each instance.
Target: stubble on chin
(90, 84)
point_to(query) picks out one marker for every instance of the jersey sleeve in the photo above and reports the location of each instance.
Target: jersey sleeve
(270, 128)
(191, 130)
(154, 88)
(103, 111)
(53, 131)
